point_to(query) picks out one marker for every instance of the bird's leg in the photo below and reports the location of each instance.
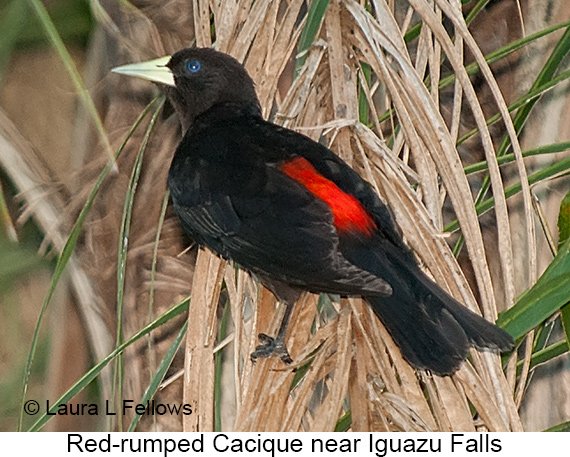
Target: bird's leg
(275, 346)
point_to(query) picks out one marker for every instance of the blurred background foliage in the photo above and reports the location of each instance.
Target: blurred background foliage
(26, 262)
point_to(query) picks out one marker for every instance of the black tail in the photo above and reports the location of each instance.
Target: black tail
(433, 330)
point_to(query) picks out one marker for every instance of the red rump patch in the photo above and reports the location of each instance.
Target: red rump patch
(349, 215)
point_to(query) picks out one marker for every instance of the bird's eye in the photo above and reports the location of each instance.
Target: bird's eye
(193, 66)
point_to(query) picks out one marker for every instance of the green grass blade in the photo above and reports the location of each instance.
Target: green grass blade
(565, 318)
(124, 244)
(476, 10)
(529, 98)
(161, 218)
(160, 373)
(153, 268)
(564, 220)
(363, 107)
(76, 79)
(556, 58)
(344, 423)
(5, 219)
(559, 167)
(545, 355)
(536, 305)
(546, 74)
(505, 158)
(563, 427)
(550, 293)
(508, 158)
(499, 54)
(563, 237)
(219, 363)
(415, 30)
(315, 16)
(17, 260)
(12, 23)
(473, 68)
(72, 20)
(176, 310)
(66, 255)
(560, 265)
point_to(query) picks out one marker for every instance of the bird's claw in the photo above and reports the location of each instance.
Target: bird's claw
(270, 347)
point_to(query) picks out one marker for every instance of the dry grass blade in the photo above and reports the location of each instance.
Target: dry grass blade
(342, 81)
(32, 178)
(482, 400)
(303, 395)
(331, 85)
(459, 22)
(378, 361)
(265, 396)
(503, 227)
(330, 409)
(398, 416)
(419, 117)
(202, 23)
(424, 122)
(199, 355)
(454, 404)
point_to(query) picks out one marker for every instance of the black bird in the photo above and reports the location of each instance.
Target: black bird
(294, 214)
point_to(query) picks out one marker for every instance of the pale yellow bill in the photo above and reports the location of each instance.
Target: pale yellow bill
(152, 70)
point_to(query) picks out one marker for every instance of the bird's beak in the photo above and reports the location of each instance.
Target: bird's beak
(153, 70)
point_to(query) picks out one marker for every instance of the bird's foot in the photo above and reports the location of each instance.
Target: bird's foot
(270, 347)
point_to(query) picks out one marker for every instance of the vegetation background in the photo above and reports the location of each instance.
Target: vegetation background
(456, 111)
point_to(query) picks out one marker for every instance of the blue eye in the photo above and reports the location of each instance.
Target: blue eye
(193, 66)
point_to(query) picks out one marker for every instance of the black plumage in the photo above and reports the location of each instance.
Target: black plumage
(290, 211)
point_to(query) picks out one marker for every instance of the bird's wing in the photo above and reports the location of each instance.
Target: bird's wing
(276, 141)
(285, 234)
(369, 237)
(253, 212)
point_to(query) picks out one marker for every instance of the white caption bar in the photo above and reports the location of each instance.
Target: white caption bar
(281, 444)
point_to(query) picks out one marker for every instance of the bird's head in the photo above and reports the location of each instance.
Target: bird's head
(197, 79)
